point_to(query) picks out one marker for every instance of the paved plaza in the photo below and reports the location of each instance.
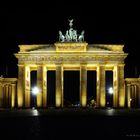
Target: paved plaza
(71, 123)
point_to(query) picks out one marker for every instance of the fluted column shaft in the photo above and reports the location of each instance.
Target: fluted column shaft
(21, 86)
(13, 95)
(1, 95)
(44, 77)
(121, 88)
(101, 98)
(128, 96)
(39, 85)
(83, 86)
(59, 86)
(27, 86)
(115, 87)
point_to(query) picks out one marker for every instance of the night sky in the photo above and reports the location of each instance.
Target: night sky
(110, 23)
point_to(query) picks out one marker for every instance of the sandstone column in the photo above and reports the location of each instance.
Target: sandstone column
(101, 98)
(115, 86)
(7, 95)
(39, 85)
(44, 77)
(21, 87)
(13, 95)
(1, 96)
(4, 96)
(27, 86)
(62, 80)
(83, 86)
(128, 95)
(121, 88)
(138, 91)
(58, 86)
(132, 96)
(135, 95)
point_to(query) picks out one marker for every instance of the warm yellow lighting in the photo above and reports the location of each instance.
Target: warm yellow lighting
(122, 101)
(13, 94)
(83, 101)
(63, 56)
(102, 101)
(71, 47)
(20, 101)
(58, 101)
(39, 99)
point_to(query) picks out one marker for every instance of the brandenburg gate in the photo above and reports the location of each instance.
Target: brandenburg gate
(71, 52)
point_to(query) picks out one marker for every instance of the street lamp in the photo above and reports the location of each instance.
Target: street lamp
(35, 91)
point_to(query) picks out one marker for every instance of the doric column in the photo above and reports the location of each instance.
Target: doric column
(128, 95)
(62, 80)
(138, 91)
(132, 96)
(27, 86)
(100, 86)
(21, 86)
(44, 77)
(7, 96)
(83, 86)
(39, 85)
(58, 86)
(121, 88)
(1, 96)
(115, 86)
(13, 95)
(4, 95)
(135, 95)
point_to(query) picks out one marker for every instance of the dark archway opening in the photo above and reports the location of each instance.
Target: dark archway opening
(71, 88)
(51, 88)
(109, 88)
(33, 84)
(91, 87)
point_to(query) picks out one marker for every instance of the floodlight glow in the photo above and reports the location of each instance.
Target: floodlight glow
(110, 90)
(35, 90)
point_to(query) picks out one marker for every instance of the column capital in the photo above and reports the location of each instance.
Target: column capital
(128, 85)
(121, 65)
(58, 64)
(83, 66)
(39, 65)
(100, 65)
(21, 65)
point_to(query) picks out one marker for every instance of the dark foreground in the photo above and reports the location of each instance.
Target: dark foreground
(74, 124)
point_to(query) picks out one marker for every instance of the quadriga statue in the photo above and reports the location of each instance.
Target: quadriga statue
(61, 37)
(81, 37)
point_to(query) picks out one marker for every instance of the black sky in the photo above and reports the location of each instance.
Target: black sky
(111, 23)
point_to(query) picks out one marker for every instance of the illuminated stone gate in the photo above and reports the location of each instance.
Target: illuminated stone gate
(70, 53)
(63, 56)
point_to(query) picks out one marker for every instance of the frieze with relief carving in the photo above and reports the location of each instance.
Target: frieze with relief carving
(65, 59)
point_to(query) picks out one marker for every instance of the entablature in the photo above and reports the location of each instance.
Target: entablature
(71, 59)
